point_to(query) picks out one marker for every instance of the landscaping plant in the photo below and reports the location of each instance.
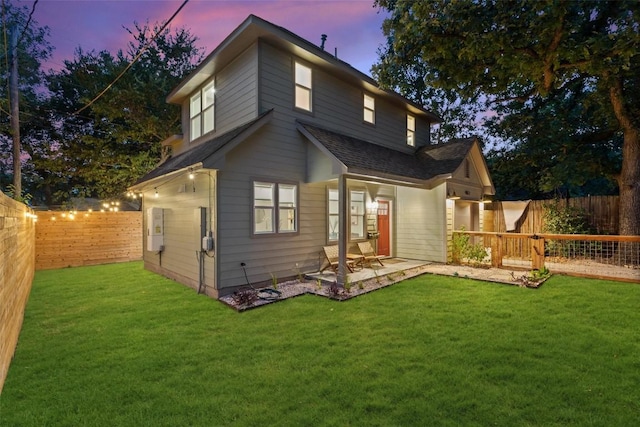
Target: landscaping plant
(462, 249)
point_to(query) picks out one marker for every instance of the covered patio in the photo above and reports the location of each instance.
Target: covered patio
(391, 266)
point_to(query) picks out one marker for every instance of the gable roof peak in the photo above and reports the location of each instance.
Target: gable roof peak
(254, 28)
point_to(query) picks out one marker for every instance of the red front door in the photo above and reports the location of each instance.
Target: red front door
(384, 247)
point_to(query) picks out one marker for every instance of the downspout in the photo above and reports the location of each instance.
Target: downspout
(342, 229)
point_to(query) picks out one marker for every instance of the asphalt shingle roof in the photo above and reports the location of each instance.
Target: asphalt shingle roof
(199, 153)
(423, 164)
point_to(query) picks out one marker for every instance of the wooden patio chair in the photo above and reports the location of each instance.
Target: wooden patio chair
(331, 253)
(369, 254)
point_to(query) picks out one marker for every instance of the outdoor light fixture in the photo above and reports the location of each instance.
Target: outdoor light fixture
(191, 174)
(156, 195)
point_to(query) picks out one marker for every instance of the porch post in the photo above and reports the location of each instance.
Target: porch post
(342, 229)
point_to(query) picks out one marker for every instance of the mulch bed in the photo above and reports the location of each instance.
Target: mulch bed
(296, 288)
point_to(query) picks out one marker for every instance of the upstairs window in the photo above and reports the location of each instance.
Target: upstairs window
(411, 130)
(303, 87)
(275, 208)
(369, 109)
(202, 111)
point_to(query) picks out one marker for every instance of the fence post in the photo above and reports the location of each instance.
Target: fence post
(537, 252)
(496, 250)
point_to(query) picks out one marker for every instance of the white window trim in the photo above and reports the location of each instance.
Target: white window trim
(411, 130)
(358, 220)
(275, 209)
(369, 109)
(203, 109)
(302, 87)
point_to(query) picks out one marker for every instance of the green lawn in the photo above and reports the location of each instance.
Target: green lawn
(119, 346)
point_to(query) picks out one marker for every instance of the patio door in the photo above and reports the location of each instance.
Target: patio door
(384, 247)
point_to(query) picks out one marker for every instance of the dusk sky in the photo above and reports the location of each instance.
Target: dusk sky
(352, 26)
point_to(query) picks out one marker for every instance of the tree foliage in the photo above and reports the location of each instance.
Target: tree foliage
(411, 79)
(561, 145)
(33, 48)
(528, 55)
(104, 146)
(73, 146)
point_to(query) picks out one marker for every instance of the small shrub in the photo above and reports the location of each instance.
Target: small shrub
(347, 285)
(463, 249)
(334, 291)
(566, 220)
(318, 284)
(299, 273)
(245, 297)
(540, 274)
(360, 285)
(274, 281)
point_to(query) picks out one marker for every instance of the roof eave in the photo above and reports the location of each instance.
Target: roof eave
(154, 182)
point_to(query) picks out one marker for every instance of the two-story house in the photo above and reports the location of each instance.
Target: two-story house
(286, 149)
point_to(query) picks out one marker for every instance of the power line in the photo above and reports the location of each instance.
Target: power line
(26, 26)
(134, 60)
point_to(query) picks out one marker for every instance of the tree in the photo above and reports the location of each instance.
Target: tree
(520, 50)
(32, 49)
(561, 145)
(458, 117)
(104, 146)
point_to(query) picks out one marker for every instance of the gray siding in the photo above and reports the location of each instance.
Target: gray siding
(336, 104)
(276, 153)
(237, 92)
(421, 223)
(236, 97)
(181, 227)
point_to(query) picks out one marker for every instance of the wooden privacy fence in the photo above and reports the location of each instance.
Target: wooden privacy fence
(608, 257)
(87, 238)
(602, 214)
(17, 255)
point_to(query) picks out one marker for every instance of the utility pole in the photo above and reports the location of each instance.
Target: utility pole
(15, 114)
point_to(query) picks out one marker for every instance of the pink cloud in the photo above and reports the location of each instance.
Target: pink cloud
(353, 26)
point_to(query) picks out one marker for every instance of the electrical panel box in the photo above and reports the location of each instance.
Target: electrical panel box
(205, 239)
(155, 229)
(208, 245)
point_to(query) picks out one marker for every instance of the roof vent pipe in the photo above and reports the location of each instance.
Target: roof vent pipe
(323, 37)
